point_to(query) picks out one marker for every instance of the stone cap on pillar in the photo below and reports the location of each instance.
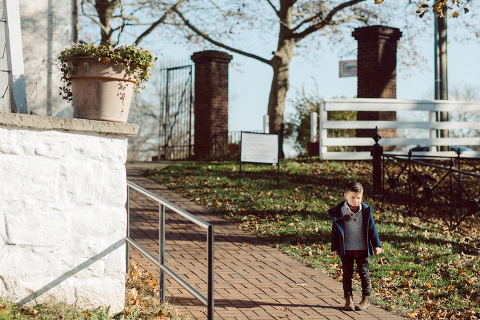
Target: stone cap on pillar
(373, 33)
(211, 55)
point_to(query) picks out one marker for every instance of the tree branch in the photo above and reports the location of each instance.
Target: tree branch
(318, 15)
(92, 18)
(326, 21)
(274, 9)
(159, 21)
(348, 19)
(219, 44)
(216, 6)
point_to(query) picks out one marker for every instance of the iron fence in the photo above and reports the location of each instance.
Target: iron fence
(160, 262)
(432, 187)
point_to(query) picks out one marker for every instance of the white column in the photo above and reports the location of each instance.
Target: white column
(266, 124)
(322, 133)
(313, 126)
(13, 37)
(433, 132)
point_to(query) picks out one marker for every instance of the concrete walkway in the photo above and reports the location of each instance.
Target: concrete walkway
(252, 279)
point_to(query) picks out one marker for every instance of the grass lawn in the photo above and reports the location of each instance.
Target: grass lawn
(425, 272)
(141, 302)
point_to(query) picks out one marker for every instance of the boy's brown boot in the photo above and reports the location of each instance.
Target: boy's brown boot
(349, 306)
(364, 304)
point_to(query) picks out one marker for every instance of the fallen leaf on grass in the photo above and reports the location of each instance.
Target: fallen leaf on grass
(412, 314)
(29, 310)
(132, 294)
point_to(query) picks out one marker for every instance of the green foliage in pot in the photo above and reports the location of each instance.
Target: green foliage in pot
(139, 62)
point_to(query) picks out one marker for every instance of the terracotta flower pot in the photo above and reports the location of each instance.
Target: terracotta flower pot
(101, 90)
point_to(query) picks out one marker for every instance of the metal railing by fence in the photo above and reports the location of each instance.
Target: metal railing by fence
(430, 187)
(160, 262)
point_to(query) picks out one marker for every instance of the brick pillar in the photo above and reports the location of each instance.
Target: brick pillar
(377, 73)
(211, 103)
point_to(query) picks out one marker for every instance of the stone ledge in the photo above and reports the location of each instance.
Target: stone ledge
(66, 124)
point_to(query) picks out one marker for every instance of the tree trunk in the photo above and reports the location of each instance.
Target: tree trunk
(281, 65)
(105, 10)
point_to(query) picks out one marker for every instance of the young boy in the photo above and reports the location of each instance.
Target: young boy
(354, 239)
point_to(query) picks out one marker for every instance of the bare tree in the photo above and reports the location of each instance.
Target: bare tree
(465, 93)
(114, 17)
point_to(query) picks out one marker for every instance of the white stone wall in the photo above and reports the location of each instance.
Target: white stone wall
(62, 212)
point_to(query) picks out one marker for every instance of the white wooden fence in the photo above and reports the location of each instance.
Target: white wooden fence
(395, 105)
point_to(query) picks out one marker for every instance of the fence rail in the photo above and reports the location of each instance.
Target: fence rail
(394, 105)
(432, 187)
(160, 262)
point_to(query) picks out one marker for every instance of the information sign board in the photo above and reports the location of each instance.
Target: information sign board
(259, 148)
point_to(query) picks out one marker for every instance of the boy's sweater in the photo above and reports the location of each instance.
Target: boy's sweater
(338, 229)
(354, 236)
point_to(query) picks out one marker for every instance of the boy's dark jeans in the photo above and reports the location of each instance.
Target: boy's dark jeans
(363, 269)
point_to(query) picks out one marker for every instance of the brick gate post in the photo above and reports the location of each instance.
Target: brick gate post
(377, 73)
(211, 103)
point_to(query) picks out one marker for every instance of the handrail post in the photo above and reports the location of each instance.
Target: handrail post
(127, 248)
(377, 153)
(210, 296)
(161, 251)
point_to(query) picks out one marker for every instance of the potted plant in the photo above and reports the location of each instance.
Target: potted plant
(100, 80)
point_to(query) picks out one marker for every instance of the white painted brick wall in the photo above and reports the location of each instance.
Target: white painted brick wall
(62, 216)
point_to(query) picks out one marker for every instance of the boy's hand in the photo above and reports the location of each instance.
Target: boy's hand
(377, 250)
(335, 253)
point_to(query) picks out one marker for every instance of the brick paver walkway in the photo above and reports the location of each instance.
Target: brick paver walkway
(252, 279)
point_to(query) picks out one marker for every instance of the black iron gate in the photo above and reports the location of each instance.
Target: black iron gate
(176, 111)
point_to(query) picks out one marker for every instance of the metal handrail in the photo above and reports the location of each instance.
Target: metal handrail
(209, 301)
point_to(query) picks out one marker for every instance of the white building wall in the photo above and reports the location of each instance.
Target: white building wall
(34, 20)
(62, 210)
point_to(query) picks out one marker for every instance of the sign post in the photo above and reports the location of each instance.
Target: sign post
(259, 148)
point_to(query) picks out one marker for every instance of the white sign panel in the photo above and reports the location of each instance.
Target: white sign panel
(347, 69)
(259, 148)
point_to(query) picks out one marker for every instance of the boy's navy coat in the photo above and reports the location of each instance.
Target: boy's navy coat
(369, 229)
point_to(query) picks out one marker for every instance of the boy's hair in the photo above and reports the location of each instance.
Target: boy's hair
(354, 186)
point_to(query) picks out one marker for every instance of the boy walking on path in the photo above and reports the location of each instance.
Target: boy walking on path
(354, 239)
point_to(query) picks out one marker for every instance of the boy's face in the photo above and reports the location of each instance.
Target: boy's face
(353, 198)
